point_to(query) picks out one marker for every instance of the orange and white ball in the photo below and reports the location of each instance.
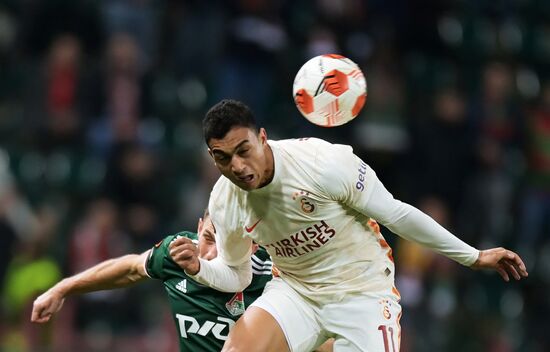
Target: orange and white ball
(330, 90)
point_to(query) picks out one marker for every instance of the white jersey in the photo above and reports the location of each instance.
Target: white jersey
(314, 220)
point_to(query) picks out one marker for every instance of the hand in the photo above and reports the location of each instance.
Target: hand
(46, 305)
(504, 261)
(186, 254)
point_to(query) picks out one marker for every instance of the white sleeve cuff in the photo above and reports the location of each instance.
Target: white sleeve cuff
(222, 277)
(145, 261)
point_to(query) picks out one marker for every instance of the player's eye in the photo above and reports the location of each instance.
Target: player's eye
(221, 158)
(244, 152)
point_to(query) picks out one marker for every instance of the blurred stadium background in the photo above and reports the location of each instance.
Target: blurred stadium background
(101, 152)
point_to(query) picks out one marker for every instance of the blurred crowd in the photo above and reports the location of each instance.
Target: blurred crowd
(101, 150)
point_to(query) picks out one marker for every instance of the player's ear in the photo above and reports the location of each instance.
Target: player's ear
(200, 225)
(262, 135)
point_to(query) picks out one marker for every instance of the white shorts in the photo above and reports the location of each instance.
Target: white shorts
(362, 322)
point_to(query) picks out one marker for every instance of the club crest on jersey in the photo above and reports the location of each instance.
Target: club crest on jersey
(235, 306)
(306, 204)
(385, 308)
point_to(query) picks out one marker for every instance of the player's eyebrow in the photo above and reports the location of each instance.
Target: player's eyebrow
(223, 153)
(209, 234)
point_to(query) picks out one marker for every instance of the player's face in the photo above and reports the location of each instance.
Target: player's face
(244, 157)
(207, 241)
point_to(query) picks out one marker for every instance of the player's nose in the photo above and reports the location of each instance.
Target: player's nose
(237, 166)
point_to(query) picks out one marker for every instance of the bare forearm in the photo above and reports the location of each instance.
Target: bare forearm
(113, 273)
(110, 274)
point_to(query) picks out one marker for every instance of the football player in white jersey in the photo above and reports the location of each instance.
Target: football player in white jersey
(315, 206)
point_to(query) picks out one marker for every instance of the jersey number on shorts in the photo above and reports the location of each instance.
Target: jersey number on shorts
(385, 330)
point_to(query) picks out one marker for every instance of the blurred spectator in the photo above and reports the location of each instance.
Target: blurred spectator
(123, 74)
(443, 149)
(55, 104)
(14, 208)
(123, 86)
(135, 18)
(384, 128)
(423, 279)
(534, 224)
(255, 37)
(63, 122)
(197, 34)
(18, 223)
(39, 22)
(485, 215)
(133, 176)
(30, 272)
(381, 133)
(321, 41)
(495, 110)
(98, 237)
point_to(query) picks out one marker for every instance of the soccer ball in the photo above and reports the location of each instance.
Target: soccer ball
(330, 90)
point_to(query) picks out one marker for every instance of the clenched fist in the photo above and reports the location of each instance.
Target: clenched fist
(186, 254)
(46, 305)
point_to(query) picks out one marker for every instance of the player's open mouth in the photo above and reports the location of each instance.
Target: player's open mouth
(247, 179)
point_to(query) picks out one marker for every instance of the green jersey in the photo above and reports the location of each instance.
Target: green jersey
(203, 315)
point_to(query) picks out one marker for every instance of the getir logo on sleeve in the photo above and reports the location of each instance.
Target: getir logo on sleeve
(360, 184)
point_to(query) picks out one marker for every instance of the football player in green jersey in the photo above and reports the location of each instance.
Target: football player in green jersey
(203, 316)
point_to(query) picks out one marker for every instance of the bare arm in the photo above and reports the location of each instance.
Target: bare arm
(110, 274)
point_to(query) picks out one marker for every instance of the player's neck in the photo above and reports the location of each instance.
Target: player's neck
(269, 171)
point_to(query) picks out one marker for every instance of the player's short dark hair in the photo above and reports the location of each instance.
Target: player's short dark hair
(225, 115)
